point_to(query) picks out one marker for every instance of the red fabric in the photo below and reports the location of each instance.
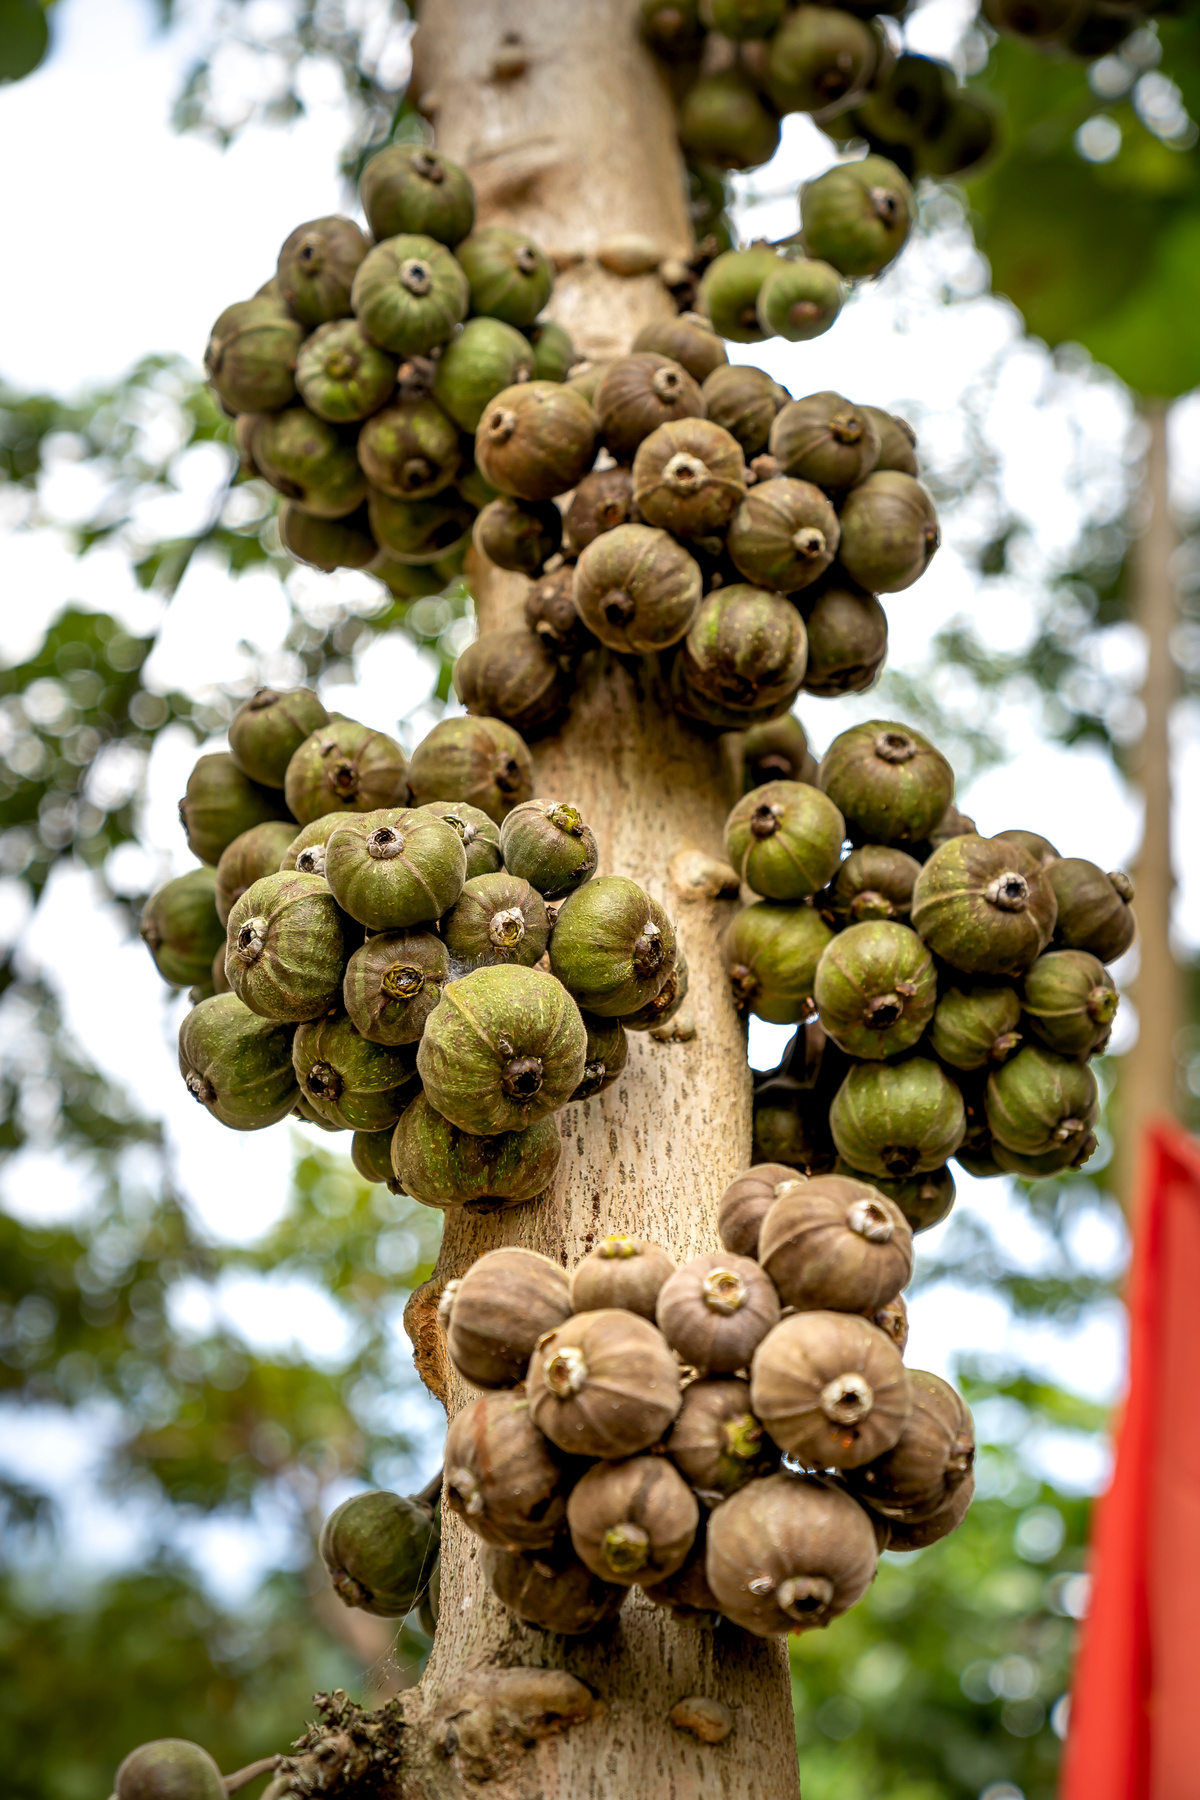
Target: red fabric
(1135, 1702)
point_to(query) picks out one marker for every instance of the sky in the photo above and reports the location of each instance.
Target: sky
(135, 239)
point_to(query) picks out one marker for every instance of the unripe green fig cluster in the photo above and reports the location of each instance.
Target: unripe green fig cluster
(634, 1416)
(950, 989)
(417, 951)
(359, 373)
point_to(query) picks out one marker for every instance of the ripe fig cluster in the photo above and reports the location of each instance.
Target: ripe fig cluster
(738, 1436)
(421, 953)
(950, 988)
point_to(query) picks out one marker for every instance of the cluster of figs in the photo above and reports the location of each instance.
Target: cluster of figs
(419, 952)
(738, 1436)
(737, 68)
(407, 400)
(950, 988)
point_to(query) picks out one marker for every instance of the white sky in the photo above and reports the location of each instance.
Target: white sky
(132, 240)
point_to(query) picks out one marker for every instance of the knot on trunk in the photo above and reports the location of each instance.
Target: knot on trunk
(486, 1723)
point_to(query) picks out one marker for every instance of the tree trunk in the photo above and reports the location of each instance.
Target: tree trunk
(1150, 1074)
(564, 125)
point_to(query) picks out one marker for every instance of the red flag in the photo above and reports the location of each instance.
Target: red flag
(1135, 1702)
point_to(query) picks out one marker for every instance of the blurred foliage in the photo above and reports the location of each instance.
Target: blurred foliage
(24, 37)
(1091, 217)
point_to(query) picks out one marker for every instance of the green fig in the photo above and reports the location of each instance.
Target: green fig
(182, 928)
(441, 1166)
(478, 363)
(220, 803)
(636, 589)
(875, 882)
(236, 1064)
(497, 919)
(975, 1027)
(345, 767)
(305, 459)
(638, 393)
(875, 989)
(897, 442)
(267, 730)
(907, 105)
(1072, 1154)
(777, 752)
(847, 639)
(966, 137)
(168, 1769)
(1038, 1102)
(410, 450)
(744, 402)
(664, 1005)
(286, 950)
(549, 844)
(512, 675)
(406, 189)
(858, 215)
(327, 543)
(1094, 909)
(771, 952)
(888, 781)
(371, 1154)
(984, 906)
(785, 840)
(380, 1550)
(348, 1080)
(889, 532)
(925, 1200)
(612, 946)
(481, 761)
(509, 277)
(504, 1047)
(783, 535)
(819, 61)
(1071, 1001)
(251, 356)
(342, 376)
(554, 355)
(1040, 848)
(317, 266)
(897, 1119)
(392, 984)
(256, 853)
(480, 835)
(395, 867)
(672, 28)
(800, 300)
(723, 122)
(536, 440)
(306, 852)
(729, 290)
(409, 294)
(420, 531)
(746, 648)
(606, 1055)
(825, 439)
(740, 19)
(687, 339)
(519, 535)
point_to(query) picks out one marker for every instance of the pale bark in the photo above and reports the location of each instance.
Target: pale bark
(1149, 1073)
(563, 122)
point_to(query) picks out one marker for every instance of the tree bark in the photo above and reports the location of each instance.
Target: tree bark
(1150, 1074)
(565, 127)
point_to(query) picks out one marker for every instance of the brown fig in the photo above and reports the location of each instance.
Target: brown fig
(503, 1305)
(920, 1533)
(551, 1589)
(836, 1245)
(512, 675)
(603, 1384)
(639, 393)
(930, 1460)
(716, 1443)
(825, 439)
(830, 1388)
(746, 648)
(847, 639)
(984, 906)
(536, 440)
(744, 402)
(502, 1478)
(715, 1311)
(688, 340)
(633, 1521)
(482, 761)
(625, 1272)
(636, 589)
(745, 1204)
(550, 611)
(689, 477)
(1094, 909)
(777, 751)
(789, 1554)
(602, 501)
(783, 535)
(518, 535)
